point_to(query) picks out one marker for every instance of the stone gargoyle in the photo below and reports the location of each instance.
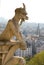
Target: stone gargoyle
(8, 47)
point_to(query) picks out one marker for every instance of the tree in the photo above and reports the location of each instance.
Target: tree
(38, 59)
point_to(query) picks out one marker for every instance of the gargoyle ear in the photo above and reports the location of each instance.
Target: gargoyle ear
(23, 5)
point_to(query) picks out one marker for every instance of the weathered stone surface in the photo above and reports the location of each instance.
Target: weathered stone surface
(8, 47)
(7, 51)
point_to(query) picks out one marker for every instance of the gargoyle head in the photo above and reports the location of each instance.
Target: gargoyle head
(22, 14)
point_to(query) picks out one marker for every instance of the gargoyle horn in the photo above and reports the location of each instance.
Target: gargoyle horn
(23, 5)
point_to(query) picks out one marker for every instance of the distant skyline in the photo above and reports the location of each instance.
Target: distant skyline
(35, 9)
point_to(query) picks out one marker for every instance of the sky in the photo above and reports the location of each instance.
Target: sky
(35, 9)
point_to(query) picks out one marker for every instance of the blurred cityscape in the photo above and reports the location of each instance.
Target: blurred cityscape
(33, 34)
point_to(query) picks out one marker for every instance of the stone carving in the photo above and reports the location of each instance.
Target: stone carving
(8, 47)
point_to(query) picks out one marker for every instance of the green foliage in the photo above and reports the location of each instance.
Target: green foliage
(27, 59)
(38, 59)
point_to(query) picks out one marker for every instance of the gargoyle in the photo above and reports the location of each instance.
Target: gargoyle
(12, 29)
